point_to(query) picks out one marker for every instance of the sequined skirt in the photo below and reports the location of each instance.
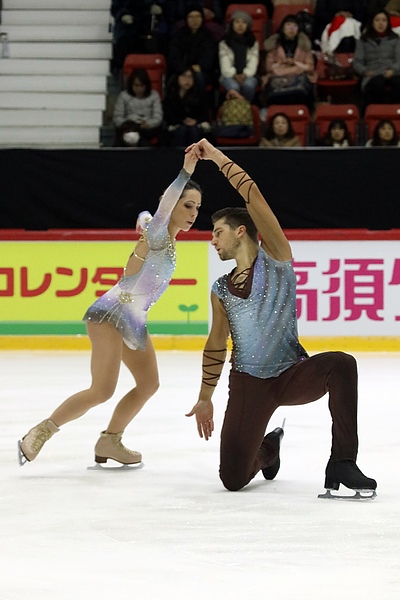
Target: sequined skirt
(121, 310)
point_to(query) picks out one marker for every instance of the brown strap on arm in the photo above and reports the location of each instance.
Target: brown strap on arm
(213, 362)
(232, 170)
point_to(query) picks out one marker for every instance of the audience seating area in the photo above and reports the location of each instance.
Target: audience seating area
(55, 87)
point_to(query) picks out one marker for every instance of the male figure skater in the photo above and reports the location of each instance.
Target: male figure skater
(255, 304)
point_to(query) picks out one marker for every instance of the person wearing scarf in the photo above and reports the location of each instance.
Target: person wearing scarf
(239, 56)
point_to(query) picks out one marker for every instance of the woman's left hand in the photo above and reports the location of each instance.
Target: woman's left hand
(190, 161)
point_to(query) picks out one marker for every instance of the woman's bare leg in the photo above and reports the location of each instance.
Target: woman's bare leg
(143, 366)
(105, 366)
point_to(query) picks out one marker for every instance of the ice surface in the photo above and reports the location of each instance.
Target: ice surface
(170, 531)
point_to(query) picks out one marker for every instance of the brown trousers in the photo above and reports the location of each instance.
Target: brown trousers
(252, 401)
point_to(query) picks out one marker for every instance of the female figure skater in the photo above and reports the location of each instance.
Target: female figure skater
(116, 325)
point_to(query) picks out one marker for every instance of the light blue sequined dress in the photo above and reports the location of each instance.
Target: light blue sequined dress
(126, 304)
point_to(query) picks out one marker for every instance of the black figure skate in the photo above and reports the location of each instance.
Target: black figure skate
(275, 438)
(347, 473)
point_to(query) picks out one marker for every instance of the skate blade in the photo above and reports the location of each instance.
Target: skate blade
(21, 456)
(359, 495)
(116, 466)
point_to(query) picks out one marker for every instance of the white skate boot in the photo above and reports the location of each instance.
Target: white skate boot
(32, 443)
(109, 446)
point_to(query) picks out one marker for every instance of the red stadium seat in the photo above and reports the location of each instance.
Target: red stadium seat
(282, 10)
(299, 116)
(324, 114)
(376, 112)
(336, 89)
(155, 65)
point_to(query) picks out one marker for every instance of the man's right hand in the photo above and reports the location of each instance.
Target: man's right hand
(203, 410)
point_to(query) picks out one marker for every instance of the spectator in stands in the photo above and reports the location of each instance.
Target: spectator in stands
(289, 65)
(377, 61)
(137, 112)
(212, 11)
(139, 26)
(185, 111)
(384, 134)
(239, 56)
(337, 136)
(193, 47)
(279, 133)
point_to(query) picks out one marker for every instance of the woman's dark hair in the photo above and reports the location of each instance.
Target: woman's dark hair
(269, 129)
(191, 185)
(231, 36)
(287, 19)
(234, 217)
(143, 76)
(337, 123)
(173, 83)
(193, 100)
(369, 31)
(376, 140)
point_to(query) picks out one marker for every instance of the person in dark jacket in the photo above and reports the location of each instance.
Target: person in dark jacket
(194, 47)
(139, 26)
(185, 110)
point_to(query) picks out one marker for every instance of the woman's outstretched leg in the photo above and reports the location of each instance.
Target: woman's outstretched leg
(105, 365)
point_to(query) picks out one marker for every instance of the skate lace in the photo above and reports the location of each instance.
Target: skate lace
(41, 438)
(126, 450)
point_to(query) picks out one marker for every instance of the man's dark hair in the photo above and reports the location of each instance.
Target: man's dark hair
(234, 217)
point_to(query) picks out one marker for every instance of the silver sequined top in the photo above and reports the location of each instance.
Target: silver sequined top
(263, 324)
(126, 304)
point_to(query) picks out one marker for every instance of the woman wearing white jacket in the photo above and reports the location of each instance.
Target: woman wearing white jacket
(239, 56)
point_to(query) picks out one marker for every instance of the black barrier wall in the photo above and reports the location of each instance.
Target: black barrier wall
(107, 188)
